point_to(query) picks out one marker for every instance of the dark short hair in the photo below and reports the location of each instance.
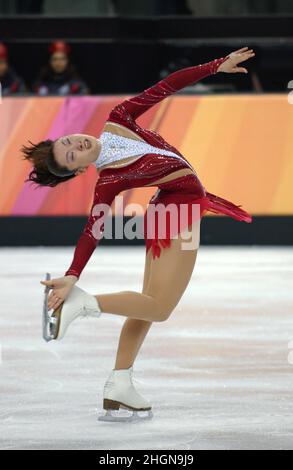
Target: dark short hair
(46, 171)
(56, 169)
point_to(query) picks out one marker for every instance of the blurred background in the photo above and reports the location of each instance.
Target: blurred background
(64, 65)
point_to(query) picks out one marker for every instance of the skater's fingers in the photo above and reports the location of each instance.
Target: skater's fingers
(51, 298)
(240, 69)
(53, 303)
(54, 306)
(52, 282)
(47, 283)
(242, 49)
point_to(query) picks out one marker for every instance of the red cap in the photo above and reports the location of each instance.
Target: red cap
(59, 46)
(3, 51)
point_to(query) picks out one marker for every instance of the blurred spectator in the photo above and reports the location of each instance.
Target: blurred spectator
(11, 83)
(59, 76)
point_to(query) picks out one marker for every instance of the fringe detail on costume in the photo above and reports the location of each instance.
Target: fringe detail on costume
(209, 203)
(157, 245)
(218, 205)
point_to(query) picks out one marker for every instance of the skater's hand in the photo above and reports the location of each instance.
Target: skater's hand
(61, 288)
(230, 65)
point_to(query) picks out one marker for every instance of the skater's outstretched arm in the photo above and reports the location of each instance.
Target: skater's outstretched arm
(136, 106)
(174, 82)
(139, 104)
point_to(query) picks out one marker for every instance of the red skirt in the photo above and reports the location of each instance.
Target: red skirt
(161, 225)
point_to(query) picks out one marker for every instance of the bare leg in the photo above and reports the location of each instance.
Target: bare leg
(131, 338)
(133, 331)
(168, 279)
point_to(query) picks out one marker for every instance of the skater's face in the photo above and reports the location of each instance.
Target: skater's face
(76, 151)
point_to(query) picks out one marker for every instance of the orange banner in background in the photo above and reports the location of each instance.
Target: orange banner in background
(240, 146)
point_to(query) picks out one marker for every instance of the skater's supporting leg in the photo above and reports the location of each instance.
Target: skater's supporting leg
(133, 331)
(131, 338)
(169, 277)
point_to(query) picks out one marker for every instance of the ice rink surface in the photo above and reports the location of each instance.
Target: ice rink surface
(218, 372)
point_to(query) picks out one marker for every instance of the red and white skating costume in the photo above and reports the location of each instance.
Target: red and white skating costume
(150, 167)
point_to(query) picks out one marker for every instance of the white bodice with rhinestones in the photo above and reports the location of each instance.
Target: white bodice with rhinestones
(117, 147)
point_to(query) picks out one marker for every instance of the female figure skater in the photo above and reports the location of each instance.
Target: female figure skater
(128, 156)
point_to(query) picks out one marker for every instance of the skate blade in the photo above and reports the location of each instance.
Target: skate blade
(125, 415)
(47, 336)
(50, 323)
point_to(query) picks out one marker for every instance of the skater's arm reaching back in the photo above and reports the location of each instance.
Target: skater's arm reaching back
(136, 106)
(174, 82)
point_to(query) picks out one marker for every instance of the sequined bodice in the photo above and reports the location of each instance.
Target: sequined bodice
(116, 147)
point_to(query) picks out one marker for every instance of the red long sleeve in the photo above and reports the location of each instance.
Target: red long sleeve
(139, 104)
(92, 232)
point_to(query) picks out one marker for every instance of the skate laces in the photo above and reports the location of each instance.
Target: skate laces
(86, 311)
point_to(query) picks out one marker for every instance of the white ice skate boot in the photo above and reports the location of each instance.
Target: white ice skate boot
(120, 394)
(79, 303)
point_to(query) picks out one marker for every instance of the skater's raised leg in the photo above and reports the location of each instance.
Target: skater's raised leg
(168, 279)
